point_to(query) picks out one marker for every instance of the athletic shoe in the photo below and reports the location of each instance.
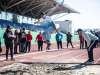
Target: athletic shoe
(61, 49)
(49, 49)
(88, 62)
(58, 50)
(12, 59)
(7, 59)
(72, 47)
(49, 45)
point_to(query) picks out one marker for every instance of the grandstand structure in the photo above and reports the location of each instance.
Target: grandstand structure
(23, 13)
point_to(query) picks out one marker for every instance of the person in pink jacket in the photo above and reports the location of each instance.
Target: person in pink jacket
(16, 42)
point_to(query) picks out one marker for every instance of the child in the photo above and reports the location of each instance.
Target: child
(59, 37)
(40, 41)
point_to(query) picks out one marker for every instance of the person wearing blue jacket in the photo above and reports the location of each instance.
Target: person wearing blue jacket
(59, 38)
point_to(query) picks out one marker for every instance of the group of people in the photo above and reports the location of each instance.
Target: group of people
(22, 39)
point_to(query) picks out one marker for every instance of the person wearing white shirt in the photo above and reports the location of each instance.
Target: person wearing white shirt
(91, 40)
(47, 26)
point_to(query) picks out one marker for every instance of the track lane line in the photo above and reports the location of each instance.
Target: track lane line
(33, 53)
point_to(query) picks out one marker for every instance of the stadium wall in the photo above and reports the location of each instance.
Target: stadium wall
(34, 34)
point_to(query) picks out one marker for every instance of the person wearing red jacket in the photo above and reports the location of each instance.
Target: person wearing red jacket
(81, 41)
(40, 41)
(29, 38)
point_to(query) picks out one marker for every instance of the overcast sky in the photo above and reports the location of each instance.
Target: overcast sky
(89, 16)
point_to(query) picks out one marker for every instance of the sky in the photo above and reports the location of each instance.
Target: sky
(89, 16)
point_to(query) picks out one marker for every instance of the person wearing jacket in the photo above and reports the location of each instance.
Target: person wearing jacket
(59, 38)
(21, 41)
(9, 38)
(29, 38)
(24, 39)
(16, 42)
(81, 42)
(40, 41)
(91, 40)
(69, 39)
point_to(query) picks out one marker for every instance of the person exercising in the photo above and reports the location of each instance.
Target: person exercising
(47, 26)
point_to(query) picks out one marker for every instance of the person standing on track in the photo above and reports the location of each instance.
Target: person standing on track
(9, 38)
(59, 37)
(92, 40)
(81, 41)
(69, 39)
(40, 41)
(16, 42)
(47, 26)
(29, 39)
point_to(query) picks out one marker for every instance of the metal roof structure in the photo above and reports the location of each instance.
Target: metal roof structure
(32, 8)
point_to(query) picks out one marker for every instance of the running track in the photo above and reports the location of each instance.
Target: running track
(70, 55)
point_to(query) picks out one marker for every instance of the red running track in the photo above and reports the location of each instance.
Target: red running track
(70, 55)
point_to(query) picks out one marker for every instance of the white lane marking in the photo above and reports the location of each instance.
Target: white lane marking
(97, 61)
(67, 53)
(34, 53)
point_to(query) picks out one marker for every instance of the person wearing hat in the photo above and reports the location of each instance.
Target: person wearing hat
(9, 38)
(47, 26)
(91, 40)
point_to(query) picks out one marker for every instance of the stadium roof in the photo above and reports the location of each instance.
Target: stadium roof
(33, 8)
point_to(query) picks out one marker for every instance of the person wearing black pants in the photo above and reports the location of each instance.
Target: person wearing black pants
(28, 44)
(59, 38)
(90, 49)
(91, 40)
(59, 43)
(40, 45)
(29, 38)
(40, 41)
(9, 46)
(16, 42)
(69, 39)
(9, 38)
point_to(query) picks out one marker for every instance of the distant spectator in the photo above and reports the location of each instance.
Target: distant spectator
(40, 41)
(69, 39)
(81, 41)
(29, 38)
(24, 38)
(0, 45)
(9, 38)
(16, 42)
(21, 41)
(59, 38)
